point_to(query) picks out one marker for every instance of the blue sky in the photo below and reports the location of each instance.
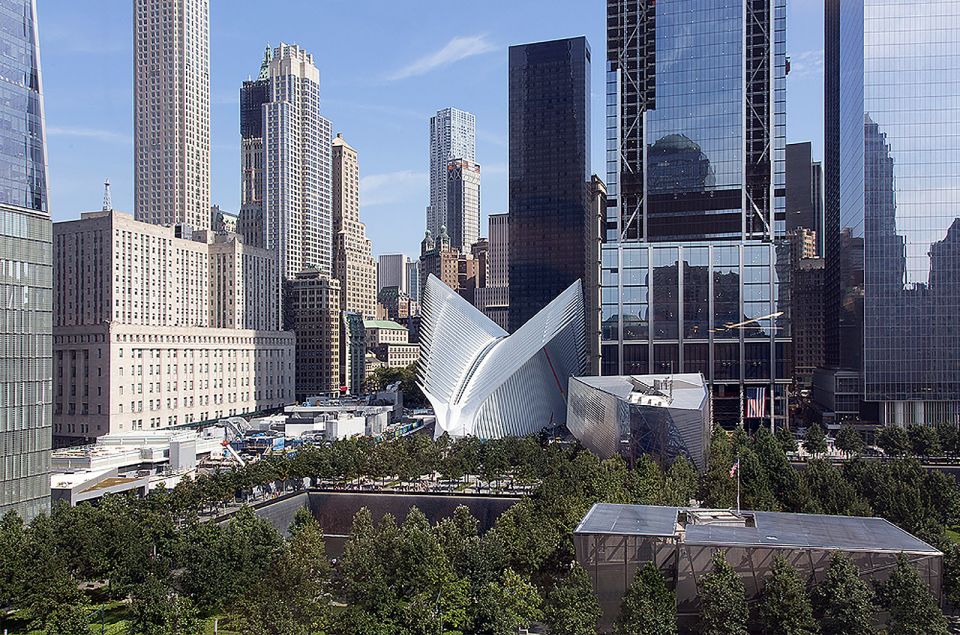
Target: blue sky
(385, 67)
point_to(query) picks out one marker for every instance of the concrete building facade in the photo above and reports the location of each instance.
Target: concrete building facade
(171, 112)
(130, 291)
(463, 203)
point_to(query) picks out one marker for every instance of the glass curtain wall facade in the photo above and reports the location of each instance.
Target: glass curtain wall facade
(550, 226)
(694, 269)
(26, 272)
(892, 92)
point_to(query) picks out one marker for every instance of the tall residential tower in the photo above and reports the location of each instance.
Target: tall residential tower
(27, 272)
(171, 112)
(453, 135)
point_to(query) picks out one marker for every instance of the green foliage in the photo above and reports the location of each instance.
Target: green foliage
(717, 488)
(785, 607)
(842, 602)
(723, 602)
(924, 440)
(294, 595)
(157, 609)
(681, 483)
(913, 610)
(786, 439)
(506, 605)
(572, 607)
(849, 441)
(221, 563)
(648, 607)
(815, 442)
(382, 377)
(69, 619)
(893, 441)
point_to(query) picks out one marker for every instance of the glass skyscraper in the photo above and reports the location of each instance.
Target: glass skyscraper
(453, 135)
(26, 257)
(892, 97)
(694, 273)
(550, 228)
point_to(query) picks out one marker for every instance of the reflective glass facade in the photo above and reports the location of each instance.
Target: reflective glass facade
(893, 203)
(697, 308)
(25, 270)
(694, 275)
(550, 226)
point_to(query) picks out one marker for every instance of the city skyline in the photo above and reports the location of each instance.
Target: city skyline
(383, 107)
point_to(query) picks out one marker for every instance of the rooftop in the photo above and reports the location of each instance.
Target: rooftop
(685, 390)
(754, 529)
(383, 324)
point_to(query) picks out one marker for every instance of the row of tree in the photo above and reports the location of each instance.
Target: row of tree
(842, 604)
(409, 576)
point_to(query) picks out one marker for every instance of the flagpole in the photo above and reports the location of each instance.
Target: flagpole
(738, 482)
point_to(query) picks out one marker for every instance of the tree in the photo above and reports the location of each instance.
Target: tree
(648, 607)
(816, 441)
(507, 605)
(572, 607)
(924, 440)
(913, 609)
(717, 489)
(294, 597)
(786, 439)
(681, 483)
(843, 603)
(785, 607)
(849, 441)
(69, 619)
(723, 600)
(893, 441)
(156, 609)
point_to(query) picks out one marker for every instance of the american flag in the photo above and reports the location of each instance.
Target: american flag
(756, 403)
(735, 468)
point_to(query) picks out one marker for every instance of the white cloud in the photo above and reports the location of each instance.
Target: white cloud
(390, 187)
(459, 48)
(806, 63)
(107, 136)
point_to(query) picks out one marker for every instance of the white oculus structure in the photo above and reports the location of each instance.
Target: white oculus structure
(486, 383)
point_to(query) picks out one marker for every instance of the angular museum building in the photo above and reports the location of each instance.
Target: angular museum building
(483, 382)
(666, 416)
(613, 541)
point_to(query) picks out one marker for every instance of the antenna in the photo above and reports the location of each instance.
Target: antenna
(107, 203)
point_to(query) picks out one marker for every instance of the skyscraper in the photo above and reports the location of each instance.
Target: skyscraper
(297, 195)
(453, 135)
(549, 198)
(171, 112)
(463, 203)
(391, 272)
(27, 254)
(892, 99)
(691, 273)
(804, 178)
(353, 263)
(253, 95)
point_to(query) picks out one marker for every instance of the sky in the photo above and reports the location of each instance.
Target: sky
(385, 68)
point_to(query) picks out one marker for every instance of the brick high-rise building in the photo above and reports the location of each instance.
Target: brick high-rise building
(313, 311)
(353, 263)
